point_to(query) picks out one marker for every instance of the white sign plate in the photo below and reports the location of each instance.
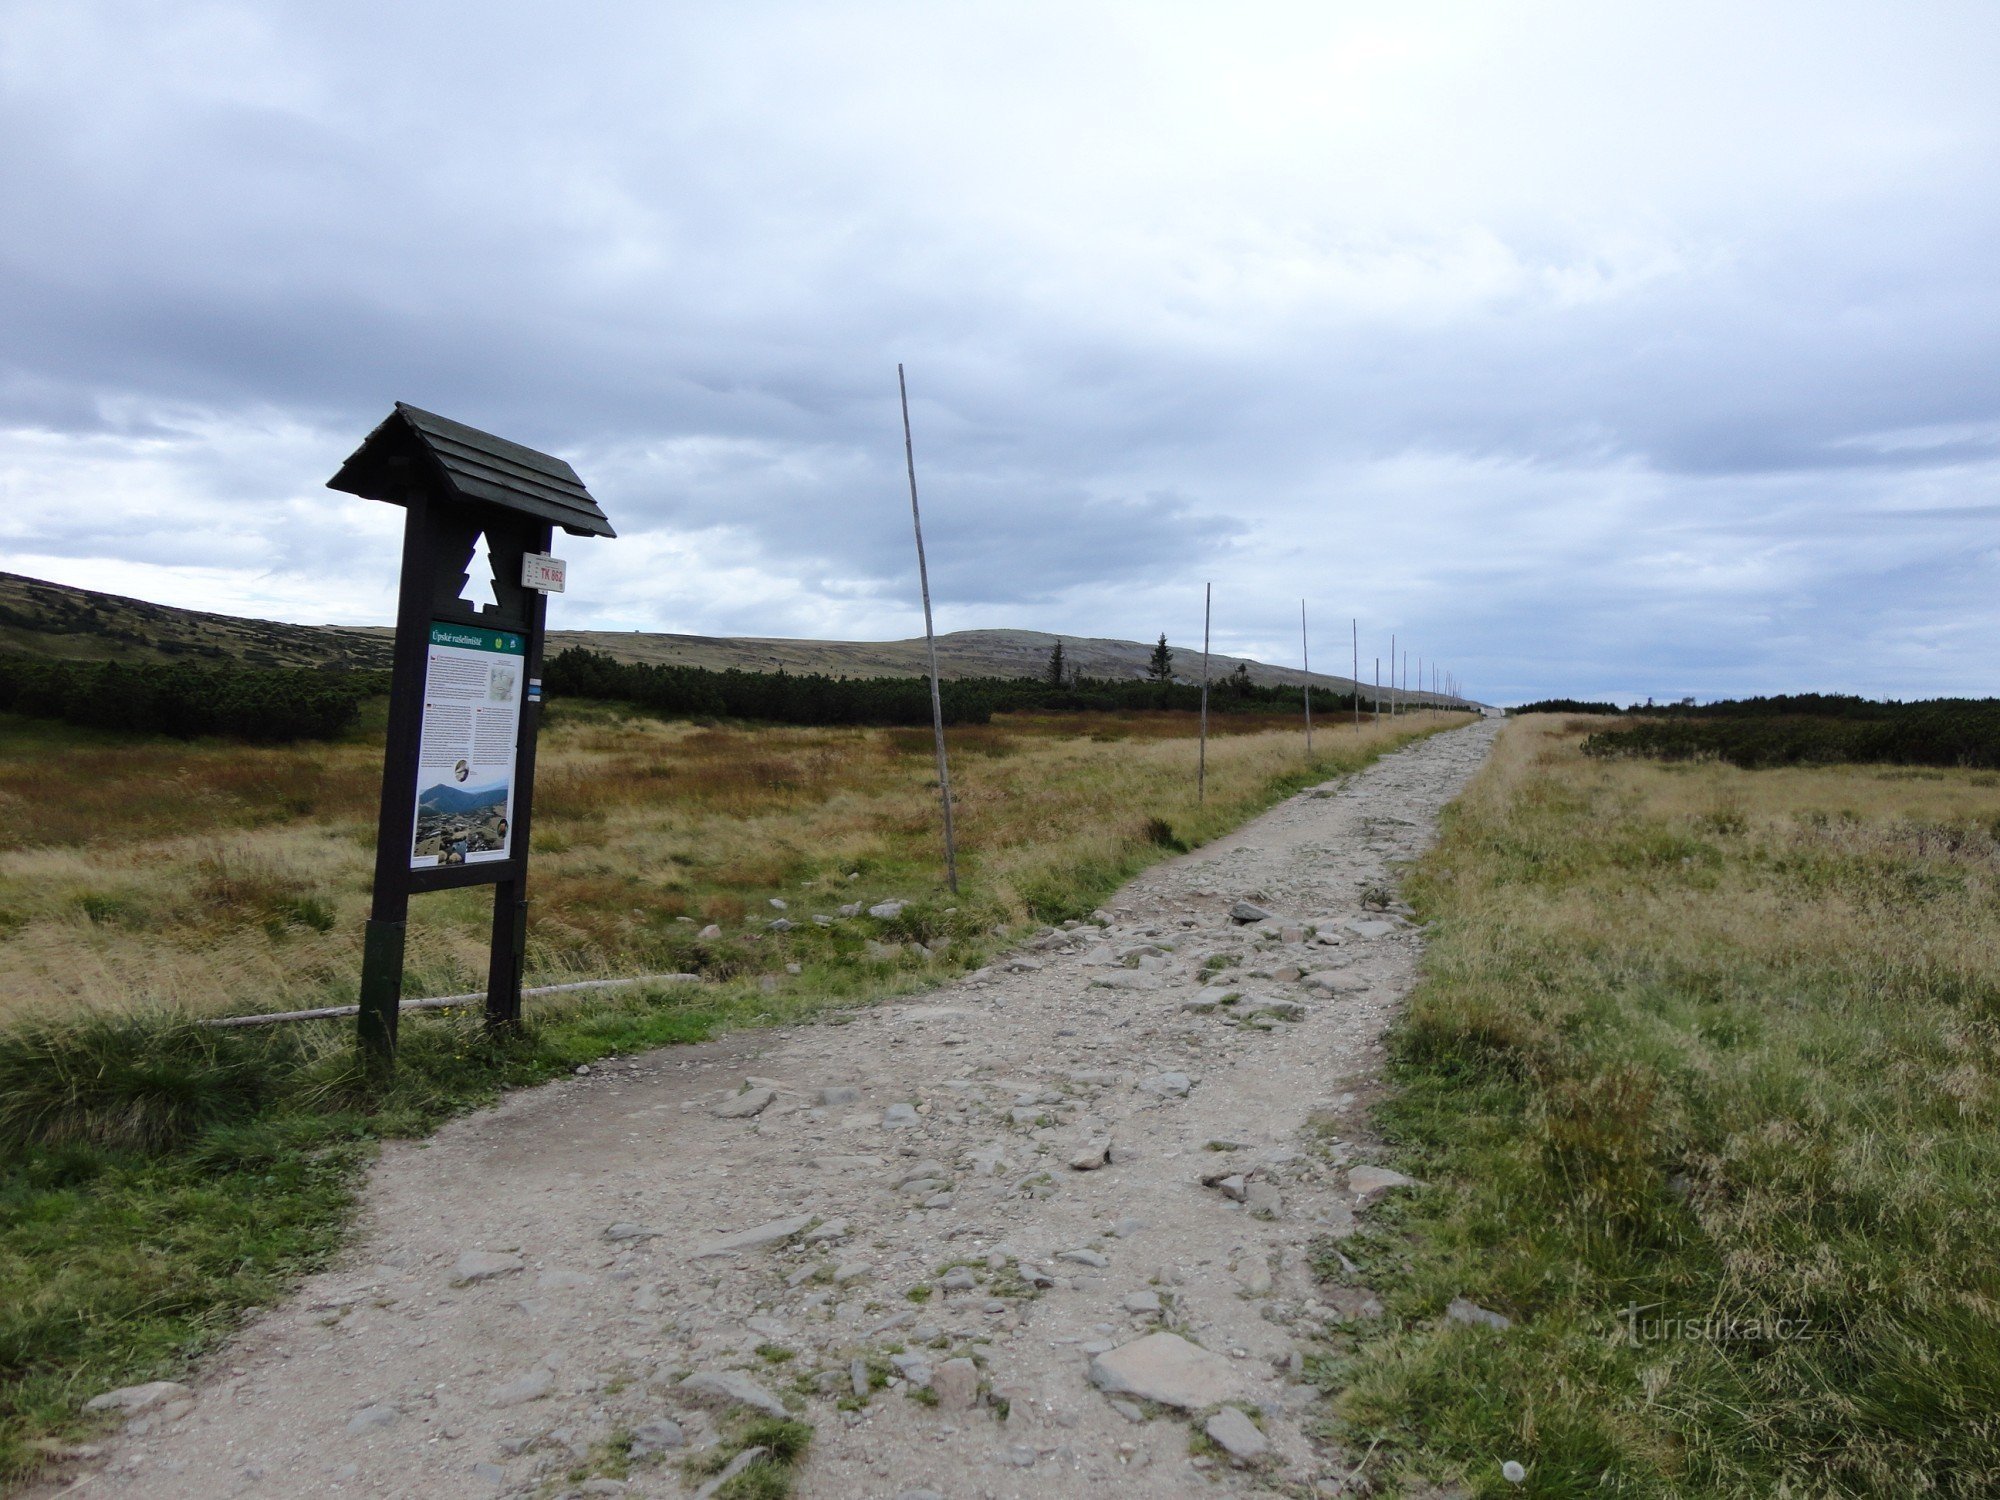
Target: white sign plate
(465, 762)
(540, 571)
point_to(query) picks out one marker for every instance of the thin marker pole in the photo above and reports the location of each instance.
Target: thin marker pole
(1201, 767)
(1378, 690)
(1305, 655)
(1355, 625)
(930, 641)
(1395, 703)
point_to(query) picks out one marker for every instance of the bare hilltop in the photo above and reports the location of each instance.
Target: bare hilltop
(55, 620)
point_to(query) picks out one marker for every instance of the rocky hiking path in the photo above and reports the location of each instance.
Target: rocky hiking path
(1041, 1233)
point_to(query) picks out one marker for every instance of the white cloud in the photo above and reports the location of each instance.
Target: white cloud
(1592, 347)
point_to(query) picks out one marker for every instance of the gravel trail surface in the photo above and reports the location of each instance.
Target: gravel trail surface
(1042, 1232)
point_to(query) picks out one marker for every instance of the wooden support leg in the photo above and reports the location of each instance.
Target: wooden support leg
(381, 991)
(506, 958)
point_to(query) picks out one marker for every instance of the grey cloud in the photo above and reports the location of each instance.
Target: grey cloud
(687, 247)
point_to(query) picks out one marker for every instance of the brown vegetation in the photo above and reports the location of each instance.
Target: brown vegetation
(228, 878)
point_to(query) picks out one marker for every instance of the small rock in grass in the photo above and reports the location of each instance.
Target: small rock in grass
(1338, 1221)
(733, 1388)
(887, 911)
(1370, 1183)
(656, 1436)
(709, 933)
(1236, 1435)
(1464, 1310)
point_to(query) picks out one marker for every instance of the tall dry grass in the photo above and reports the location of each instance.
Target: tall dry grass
(1705, 1071)
(223, 879)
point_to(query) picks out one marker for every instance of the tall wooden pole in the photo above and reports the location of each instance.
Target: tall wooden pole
(1355, 625)
(1201, 766)
(1395, 703)
(930, 641)
(1305, 655)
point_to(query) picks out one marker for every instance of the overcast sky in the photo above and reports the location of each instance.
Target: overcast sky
(1591, 352)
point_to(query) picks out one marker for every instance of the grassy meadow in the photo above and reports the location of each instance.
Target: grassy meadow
(221, 878)
(1704, 1077)
(158, 1176)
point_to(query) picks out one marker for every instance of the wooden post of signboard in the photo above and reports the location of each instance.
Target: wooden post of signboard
(458, 765)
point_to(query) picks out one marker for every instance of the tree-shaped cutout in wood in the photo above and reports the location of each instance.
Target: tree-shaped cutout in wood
(479, 575)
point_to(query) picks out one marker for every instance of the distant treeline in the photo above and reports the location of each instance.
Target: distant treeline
(1565, 706)
(293, 703)
(268, 704)
(813, 698)
(1814, 729)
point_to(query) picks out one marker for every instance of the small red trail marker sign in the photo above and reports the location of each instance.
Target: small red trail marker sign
(541, 572)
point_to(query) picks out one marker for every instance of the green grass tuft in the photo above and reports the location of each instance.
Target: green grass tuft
(1707, 1090)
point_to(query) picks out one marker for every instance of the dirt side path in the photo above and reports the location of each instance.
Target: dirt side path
(541, 1278)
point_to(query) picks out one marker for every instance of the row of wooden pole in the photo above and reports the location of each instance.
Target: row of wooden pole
(1207, 615)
